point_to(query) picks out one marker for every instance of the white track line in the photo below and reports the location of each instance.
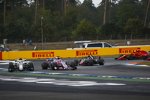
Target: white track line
(59, 82)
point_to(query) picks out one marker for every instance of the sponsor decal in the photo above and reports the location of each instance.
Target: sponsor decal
(128, 50)
(86, 52)
(42, 54)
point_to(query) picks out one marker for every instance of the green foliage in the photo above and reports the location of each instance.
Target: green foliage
(109, 30)
(73, 20)
(133, 26)
(127, 9)
(88, 3)
(85, 30)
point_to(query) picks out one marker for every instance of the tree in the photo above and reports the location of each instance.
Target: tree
(1, 32)
(133, 27)
(88, 12)
(146, 14)
(88, 3)
(85, 30)
(107, 11)
(127, 9)
(109, 31)
(68, 19)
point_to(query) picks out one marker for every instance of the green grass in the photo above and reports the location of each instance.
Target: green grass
(145, 63)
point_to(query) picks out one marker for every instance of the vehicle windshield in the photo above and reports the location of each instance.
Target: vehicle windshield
(95, 45)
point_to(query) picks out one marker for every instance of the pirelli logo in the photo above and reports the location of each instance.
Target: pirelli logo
(86, 52)
(128, 50)
(42, 54)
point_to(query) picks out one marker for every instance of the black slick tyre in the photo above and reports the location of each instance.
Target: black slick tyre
(44, 65)
(11, 67)
(31, 67)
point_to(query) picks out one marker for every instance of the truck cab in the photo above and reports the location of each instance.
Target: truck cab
(90, 44)
(96, 45)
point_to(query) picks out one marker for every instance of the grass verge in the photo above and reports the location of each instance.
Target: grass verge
(145, 63)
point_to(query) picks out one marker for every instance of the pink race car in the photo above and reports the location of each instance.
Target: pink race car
(57, 64)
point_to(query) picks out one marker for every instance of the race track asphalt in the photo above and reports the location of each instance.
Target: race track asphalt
(117, 80)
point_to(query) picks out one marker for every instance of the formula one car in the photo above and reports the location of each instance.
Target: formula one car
(57, 64)
(20, 65)
(91, 60)
(140, 54)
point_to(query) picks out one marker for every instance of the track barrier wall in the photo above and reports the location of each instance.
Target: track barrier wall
(73, 53)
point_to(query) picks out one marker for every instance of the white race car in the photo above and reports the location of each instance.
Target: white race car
(20, 65)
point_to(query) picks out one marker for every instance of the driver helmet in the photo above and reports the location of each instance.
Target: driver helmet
(57, 57)
(20, 58)
(49, 59)
(90, 56)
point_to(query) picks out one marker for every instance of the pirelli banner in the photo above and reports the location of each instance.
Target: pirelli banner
(43, 54)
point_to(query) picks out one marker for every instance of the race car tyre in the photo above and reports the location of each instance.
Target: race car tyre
(89, 63)
(144, 57)
(101, 62)
(73, 67)
(11, 67)
(54, 66)
(76, 62)
(44, 65)
(72, 64)
(31, 67)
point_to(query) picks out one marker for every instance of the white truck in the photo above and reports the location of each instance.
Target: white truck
(96, 45)
(89, 44)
